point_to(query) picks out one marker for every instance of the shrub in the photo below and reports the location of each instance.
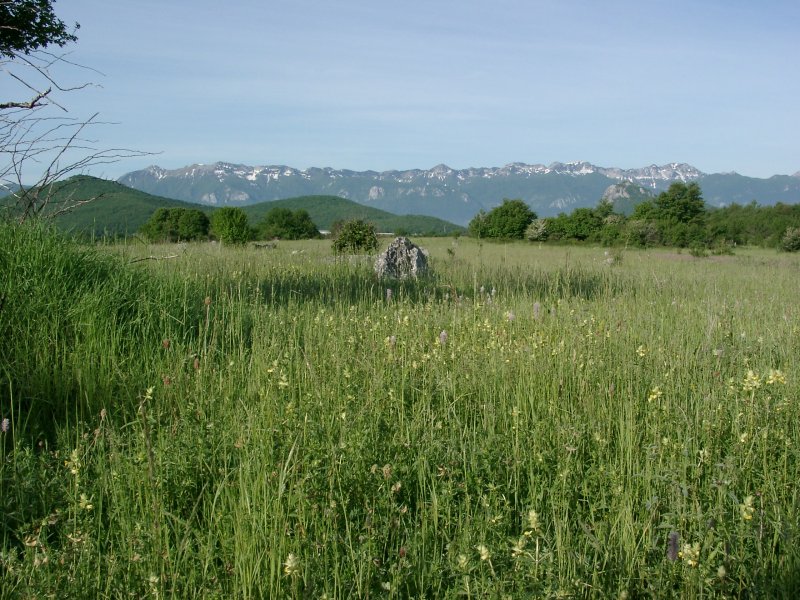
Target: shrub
(176, 224)
(507, 221)
(644, 234)
(285, 224)
(698, 251)
(537, 230)
(790, 242)
(354, 236)
(229, 225)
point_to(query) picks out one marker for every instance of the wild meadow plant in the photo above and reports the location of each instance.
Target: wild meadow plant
(527, 422)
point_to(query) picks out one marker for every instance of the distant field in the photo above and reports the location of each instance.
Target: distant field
(529, 421)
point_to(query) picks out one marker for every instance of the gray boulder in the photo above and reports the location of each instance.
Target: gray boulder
(401, 260)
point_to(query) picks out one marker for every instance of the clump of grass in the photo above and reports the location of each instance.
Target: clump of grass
(79, 329)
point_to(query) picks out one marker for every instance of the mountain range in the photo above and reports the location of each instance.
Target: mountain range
(455, 195)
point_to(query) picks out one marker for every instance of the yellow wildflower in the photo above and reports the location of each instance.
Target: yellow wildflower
(85, 503)
(776, 376)
(751, 381)
(283, 382)
(533, 521)
(746, 508)
(292, 565)
(518, 549)
(690, 553)
(483, 552)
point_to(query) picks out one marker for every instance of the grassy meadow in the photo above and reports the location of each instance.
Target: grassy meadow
(529, 421)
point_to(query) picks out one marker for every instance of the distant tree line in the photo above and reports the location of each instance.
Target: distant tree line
(176, 225)
(228, 225)
(677, 217)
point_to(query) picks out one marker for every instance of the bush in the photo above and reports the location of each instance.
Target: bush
(230, 226)
(698, 251)
(537, 231)
(285, 224)
(507, 221)
(176, 224)
(644, 234)
(790, 242)
(354, 236)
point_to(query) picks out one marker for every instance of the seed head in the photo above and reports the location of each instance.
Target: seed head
(533, 520)
(672, 545)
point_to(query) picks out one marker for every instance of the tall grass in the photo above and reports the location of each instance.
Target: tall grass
(525, 422)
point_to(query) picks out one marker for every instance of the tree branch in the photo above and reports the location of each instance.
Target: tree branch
(30, 104)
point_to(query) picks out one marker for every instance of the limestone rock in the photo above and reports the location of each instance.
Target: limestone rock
(401, 260)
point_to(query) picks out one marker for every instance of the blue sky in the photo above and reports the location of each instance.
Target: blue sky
(394, 85)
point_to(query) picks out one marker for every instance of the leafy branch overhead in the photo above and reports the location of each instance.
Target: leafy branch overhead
(30, 25)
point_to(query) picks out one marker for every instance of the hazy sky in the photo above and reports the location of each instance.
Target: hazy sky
(393, 85)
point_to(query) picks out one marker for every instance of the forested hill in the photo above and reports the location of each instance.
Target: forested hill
(117, 210)
(110, 208)
(326, 210)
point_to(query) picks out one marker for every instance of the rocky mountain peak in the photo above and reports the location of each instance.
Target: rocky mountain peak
(455, 195)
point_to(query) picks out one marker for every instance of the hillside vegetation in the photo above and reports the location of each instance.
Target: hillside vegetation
(325, 211)
(114, 210)
(529, 421)
(118, 210)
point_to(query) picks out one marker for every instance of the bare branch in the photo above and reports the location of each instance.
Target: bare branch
(167, 257)
(30, 104)
(54, 145)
